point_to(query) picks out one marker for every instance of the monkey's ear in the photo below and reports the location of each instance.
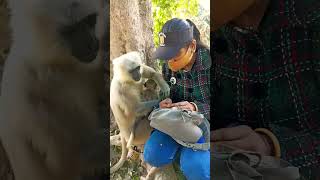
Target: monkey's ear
(116, 61)
(135, 56)
(142, 55)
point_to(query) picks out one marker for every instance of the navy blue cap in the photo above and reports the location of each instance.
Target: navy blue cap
(175, 34)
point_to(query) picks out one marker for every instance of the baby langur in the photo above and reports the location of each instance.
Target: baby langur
(129, 111)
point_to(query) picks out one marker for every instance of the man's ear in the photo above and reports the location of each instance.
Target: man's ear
(193, 45)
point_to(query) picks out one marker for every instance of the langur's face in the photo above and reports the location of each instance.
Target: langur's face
(128, 66)
(135, 73)
(133, 70)
(75, 21)
(61, 12)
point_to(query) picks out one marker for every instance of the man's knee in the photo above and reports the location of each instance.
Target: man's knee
(160, 149)
(195, 165)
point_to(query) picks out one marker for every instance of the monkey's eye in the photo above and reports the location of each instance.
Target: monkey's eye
(135, 69)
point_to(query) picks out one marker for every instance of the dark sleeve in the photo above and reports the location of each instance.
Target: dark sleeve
(300, 148)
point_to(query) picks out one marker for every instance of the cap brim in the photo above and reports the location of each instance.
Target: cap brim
(166, 53)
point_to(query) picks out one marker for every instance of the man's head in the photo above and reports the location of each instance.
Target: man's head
(226, 10)
(177, 43)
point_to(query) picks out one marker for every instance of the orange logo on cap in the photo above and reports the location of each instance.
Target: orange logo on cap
(162, 36)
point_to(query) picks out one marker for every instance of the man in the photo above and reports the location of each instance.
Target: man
(266, 79)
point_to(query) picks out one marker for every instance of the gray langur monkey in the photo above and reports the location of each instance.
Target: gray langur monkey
(50, 121)
(126, 104)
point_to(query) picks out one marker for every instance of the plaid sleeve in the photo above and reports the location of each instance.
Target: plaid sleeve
(203, 93)
(302, 147)
(299, 148)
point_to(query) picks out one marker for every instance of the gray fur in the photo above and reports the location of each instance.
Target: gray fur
(50, 122)
(126, 103)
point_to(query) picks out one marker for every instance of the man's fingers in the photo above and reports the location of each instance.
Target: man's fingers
(180, 103)
(166, 101)
(236, 144)
(184, 107)
(228, 134)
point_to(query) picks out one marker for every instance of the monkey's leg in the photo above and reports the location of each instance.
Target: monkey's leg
(129, 144)
(152, 173)
(142, 130)
(27, 164)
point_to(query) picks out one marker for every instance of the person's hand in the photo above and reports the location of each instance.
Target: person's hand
(184, 105)
(166, 103)
(242, 137)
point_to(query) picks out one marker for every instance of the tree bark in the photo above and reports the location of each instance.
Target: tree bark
(131, 27)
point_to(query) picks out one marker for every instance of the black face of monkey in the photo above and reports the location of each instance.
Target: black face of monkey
(80, 38)
(135, 73)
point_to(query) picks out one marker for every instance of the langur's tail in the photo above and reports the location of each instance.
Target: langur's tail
(123, 156)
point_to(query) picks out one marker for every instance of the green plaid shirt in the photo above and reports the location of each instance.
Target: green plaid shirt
(271, 79)
(194, 85)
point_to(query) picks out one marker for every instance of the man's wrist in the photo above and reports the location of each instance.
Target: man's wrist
(268, 143)
(271, 138)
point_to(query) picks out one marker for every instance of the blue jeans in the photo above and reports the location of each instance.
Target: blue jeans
(161, 149)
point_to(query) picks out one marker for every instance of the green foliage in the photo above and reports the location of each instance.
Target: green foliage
(164, 10)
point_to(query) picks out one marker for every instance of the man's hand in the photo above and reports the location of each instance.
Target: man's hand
(242, 137)
(184, 105)
(166, 103)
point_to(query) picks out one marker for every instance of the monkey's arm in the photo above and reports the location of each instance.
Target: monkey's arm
(146, 107)
(150, 73)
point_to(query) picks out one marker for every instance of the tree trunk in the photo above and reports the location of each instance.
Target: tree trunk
(131, 29)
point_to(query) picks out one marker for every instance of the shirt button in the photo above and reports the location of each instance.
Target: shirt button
(259, 90)
(254, 48)
(179, 76)
(190, 90)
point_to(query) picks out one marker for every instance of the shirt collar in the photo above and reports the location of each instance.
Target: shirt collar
(203, 60)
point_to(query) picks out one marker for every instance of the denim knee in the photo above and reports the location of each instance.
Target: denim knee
(195, 165)
(160, 149)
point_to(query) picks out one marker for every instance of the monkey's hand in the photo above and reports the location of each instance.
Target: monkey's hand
(165, 91)
(150, 73)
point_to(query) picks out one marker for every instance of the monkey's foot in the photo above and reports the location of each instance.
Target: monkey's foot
(133, 155)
